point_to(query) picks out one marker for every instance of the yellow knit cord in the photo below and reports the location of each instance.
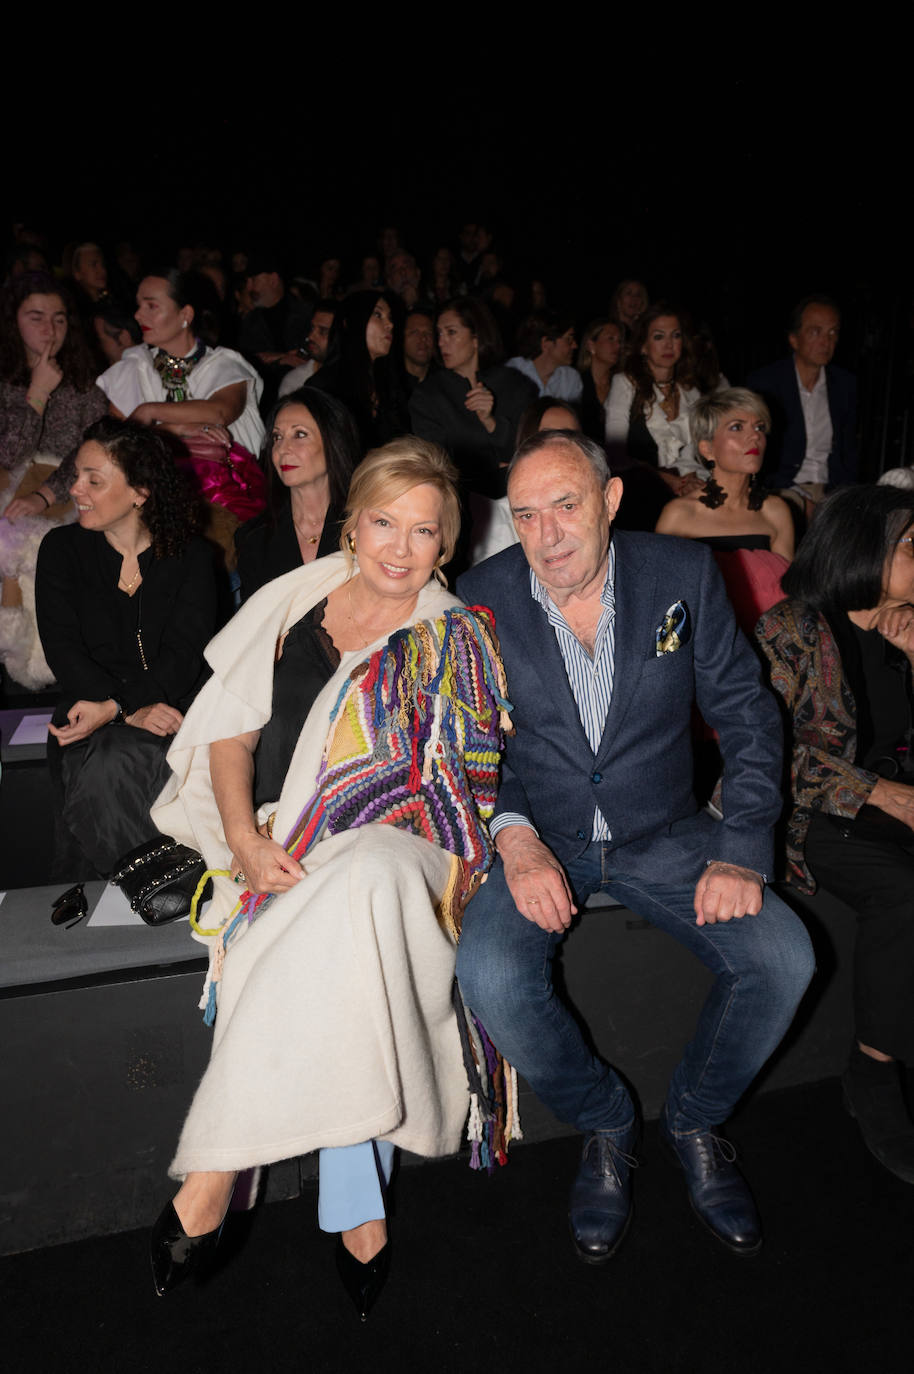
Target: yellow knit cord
(210, 873)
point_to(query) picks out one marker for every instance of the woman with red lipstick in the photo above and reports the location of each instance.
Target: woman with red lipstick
(309, 453)
(751, 531)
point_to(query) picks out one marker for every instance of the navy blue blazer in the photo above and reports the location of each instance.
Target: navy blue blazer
(787, 444)
(641, 775)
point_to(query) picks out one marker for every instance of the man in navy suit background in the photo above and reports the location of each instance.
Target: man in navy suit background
(608, 638)
(813, 442)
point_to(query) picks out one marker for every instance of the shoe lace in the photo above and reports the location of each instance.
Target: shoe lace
(721, 1151)
(608, 1155)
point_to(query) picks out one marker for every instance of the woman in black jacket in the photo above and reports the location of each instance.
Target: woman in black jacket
(126, 603)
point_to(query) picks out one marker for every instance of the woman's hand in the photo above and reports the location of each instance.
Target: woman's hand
(85, 717)
(481, 402)
(896, 624)
(26, 505)
(895, 799)
(46, 375)
(158, 719)
(264, 865)
(193, 429)
(149, 413)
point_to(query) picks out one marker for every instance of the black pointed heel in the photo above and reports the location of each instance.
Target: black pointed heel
(363, 1282)
(174, 1254)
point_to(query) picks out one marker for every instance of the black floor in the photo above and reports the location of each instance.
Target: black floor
(484, 1276)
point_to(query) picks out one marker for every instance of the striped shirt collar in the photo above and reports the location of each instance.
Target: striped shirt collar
(607, 596)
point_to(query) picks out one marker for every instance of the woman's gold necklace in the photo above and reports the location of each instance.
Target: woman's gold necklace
(129, 586)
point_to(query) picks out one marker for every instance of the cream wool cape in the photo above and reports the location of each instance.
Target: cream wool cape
(335, 1022)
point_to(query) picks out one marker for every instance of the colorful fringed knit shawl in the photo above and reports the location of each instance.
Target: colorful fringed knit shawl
(415, 740)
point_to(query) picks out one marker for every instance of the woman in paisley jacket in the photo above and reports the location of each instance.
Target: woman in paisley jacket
(841, 651)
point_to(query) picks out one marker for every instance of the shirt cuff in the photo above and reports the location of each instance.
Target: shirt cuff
(510, 818)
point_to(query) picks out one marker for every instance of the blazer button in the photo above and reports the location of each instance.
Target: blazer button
(597, 777)
(582, 835)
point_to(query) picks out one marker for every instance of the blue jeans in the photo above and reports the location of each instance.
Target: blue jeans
(761, 965)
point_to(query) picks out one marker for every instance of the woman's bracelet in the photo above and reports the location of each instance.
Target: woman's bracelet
(47, 503)
(36, 402)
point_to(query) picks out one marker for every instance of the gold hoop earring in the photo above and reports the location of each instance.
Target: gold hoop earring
(351, 538)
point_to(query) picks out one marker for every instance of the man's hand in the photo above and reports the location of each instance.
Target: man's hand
(85, 717)
(535, 879)
(726, 892)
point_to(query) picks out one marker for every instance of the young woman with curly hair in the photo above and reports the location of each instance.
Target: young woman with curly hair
(126, 602)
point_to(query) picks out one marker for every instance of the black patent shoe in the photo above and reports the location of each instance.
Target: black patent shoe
(363, 1282)
(174, 1254)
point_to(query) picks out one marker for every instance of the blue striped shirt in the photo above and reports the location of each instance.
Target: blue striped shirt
(590, 679)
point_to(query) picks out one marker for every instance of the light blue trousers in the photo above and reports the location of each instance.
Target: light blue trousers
(353, 1180)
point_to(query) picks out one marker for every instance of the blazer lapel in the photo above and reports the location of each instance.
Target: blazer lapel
(635, 623)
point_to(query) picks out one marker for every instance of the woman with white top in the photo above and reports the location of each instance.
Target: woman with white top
(648, 407)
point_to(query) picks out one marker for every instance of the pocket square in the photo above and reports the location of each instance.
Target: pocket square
(674, 631)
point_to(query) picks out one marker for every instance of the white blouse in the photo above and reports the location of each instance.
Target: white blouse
(674, 443)
(134, 381)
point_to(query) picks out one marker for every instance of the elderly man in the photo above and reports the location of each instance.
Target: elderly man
(608, 638)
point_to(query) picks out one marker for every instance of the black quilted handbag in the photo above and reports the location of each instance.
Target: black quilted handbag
(159, 879)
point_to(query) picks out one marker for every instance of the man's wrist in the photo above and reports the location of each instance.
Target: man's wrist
(741, 868)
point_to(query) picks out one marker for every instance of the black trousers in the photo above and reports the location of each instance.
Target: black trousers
(104, 788)
(874, 873)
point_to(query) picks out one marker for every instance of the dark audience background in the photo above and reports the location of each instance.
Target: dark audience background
(729, 204)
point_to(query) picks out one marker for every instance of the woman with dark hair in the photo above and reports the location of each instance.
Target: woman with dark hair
(206, 396)
(47, 388)
(841, 650)
(546, 413)
(362, 368)
(309, 452)
(647, 410)
(126, 602)
(598, 362)
(472, 405)
(173, 378)
(47, 398)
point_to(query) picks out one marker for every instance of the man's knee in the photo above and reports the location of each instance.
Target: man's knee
(785, 951)
(502, 960)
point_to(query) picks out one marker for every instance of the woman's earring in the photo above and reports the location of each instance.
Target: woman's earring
(352, 543)
(713, 494)
(756, 491)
